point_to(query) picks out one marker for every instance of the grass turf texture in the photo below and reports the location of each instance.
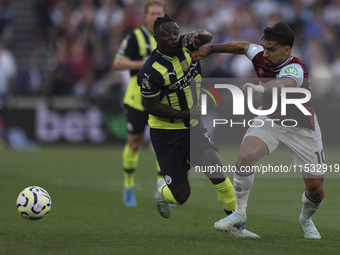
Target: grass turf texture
(88, 216)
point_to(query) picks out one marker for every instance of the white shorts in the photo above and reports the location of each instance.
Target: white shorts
(305, 145)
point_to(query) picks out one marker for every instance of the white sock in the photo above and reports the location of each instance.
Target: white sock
(309, 206)
(242, 186)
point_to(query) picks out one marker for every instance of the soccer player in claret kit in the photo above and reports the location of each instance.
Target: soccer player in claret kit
(166, 80)
(273, 61)
(132, 54)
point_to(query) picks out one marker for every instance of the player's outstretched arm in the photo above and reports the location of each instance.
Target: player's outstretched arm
(266, 88)
(237, 47)
(154, 107)
(123, 64)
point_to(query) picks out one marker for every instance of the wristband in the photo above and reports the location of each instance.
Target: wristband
(259, 89)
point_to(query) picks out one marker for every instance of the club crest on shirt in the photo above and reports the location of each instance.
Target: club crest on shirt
(146, 84)
(185, 65)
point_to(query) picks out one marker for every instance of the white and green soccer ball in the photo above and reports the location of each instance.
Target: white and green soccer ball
(34, 203)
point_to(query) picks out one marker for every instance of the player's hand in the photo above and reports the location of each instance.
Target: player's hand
(245, 87)
(255, 89)
(195, 112)
(202, 52)
(190, 38)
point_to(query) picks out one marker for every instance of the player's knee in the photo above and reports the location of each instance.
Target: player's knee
(135, 145)
(314, 187)
(245, 158)
(315, 191)
(182, 196)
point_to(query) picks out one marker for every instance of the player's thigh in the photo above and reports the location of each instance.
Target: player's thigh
(136, 120)
(257, 143)
(203, 151)
(252, 149)
(172, 152)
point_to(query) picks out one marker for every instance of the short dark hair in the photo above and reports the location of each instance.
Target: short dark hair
(161, 20)
(281, 33)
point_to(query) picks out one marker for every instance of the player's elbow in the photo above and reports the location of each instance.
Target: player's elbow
(151, 105)
(149, 108)
(153, 111)
(209, 37)
(117, 64)
(205, 36)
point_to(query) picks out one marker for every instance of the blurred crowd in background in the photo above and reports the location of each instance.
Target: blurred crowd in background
(83, 36)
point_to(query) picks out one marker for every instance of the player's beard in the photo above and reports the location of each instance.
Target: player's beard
(269, 63)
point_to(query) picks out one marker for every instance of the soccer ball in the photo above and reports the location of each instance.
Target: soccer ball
(34, 203)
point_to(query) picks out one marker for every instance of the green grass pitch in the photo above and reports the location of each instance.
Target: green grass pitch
(88, 216)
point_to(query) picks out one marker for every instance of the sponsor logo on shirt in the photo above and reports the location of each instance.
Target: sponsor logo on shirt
(292, 70)
(185, 80)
